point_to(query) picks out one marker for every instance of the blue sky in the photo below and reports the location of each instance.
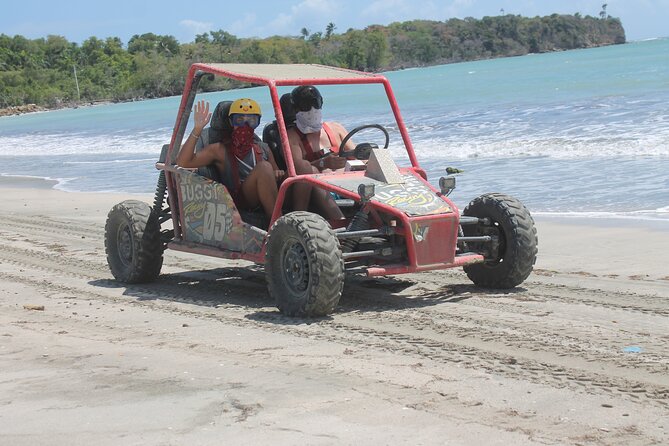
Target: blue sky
(77, 20)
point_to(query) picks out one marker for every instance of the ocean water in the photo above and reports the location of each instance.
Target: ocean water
(575, 133)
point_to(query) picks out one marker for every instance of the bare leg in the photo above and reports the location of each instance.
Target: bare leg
(260, 187)
(326, 204)
(302, 191)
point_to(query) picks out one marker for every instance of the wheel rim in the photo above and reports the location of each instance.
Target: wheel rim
(124, 245)
(296, 267)
(496, 230)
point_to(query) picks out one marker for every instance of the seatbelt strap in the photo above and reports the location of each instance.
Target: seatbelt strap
(331, 137)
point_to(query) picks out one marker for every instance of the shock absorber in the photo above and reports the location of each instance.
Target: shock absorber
(160, 193)
(359, 222)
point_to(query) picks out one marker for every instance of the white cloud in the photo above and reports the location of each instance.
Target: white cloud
(310, 14)
(246, 26)
(385, 11)
(457, 8)
(387, 8)
(282, 21)
(196, 27)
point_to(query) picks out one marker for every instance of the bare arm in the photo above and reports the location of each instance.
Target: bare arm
(341, 133)
(301, 165)
(278, 173)
(187, 156)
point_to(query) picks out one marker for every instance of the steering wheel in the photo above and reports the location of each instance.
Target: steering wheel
(343, 153)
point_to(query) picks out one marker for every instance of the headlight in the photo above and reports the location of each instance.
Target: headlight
(446, 184)
(366, 191)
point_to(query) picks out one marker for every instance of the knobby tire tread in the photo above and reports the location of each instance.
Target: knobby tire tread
(521, 241)
(147, 258)
(326, 265)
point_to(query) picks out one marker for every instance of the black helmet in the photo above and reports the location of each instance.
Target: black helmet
(305, 97)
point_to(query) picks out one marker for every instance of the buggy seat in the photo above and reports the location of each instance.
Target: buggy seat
(218, 129)
(270, 134)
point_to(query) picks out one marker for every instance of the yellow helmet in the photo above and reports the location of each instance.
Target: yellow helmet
(245, 106)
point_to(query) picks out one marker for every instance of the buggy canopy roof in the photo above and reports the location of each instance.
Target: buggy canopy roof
(289, 74)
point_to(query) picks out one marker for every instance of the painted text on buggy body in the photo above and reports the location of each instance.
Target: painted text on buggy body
(217, 221)
(209, 213)
(198, 191)
(412, 196)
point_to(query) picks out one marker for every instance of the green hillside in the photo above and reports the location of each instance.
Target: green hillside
(53, 72)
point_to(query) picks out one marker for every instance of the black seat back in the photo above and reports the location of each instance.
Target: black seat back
(218, 130)
(209, 171)
(270, 134)
(271, 137)
(221, 128)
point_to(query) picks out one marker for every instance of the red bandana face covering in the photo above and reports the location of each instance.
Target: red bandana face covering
(242, 141)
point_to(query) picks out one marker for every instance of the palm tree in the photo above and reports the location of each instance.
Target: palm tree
(329, 30)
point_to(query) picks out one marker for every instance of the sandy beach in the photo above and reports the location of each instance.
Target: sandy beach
(578, 355)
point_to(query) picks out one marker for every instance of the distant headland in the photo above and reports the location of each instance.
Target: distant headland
(51, 72)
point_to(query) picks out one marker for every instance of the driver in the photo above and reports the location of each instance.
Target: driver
(312, 141)
(313, 144)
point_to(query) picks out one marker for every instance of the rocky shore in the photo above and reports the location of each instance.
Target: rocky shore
(32, 108)
(21, 109)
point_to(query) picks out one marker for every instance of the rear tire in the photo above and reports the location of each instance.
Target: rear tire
(514, 228)
(304, 265)
(132, 242)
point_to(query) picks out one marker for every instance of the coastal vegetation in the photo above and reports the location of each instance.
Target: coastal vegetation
(53, 72)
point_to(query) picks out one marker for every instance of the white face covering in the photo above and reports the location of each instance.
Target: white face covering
(310, 121)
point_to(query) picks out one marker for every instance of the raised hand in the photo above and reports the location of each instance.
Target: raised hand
(201, 116)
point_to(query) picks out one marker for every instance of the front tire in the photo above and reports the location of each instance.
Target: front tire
(512, 227)
(132, 242)
(304, 265)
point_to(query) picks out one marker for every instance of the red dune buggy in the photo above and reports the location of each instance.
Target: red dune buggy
(396, 221)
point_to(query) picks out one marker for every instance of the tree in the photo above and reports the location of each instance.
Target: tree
(41, 70)
(315, 38)
(224, 42)
(353, 51)
(202, 38)
(149, 42)
(224, 38)
(329, 30)
(92, 50)
(376, 50)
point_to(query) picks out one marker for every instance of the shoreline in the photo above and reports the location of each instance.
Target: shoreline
(34, 108)
(595, 219)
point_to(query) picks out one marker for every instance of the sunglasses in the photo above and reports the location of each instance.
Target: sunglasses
(239, 120)
(306, 103)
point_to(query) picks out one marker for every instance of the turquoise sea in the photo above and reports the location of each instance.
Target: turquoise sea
(575, 133)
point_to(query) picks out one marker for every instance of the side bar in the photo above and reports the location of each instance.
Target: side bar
(460, 260)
